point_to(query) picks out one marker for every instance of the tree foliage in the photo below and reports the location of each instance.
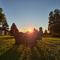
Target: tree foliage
(45, 33)
(40, 33)
(3, 21)
(54, 22)
(14, 32)
(14, 29)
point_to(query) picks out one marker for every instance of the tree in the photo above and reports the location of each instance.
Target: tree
(45, 33)
(54, 22)
(35, 33)
(15, 32)
(2, 18)
(40, 33)
(3, 23)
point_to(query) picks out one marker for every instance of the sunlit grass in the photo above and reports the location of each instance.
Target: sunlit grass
(45, 49)
(6, 44)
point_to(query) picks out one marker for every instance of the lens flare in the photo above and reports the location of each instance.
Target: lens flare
(30, 30)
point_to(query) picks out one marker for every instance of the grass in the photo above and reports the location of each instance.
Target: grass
(6, 42)
(45, 49)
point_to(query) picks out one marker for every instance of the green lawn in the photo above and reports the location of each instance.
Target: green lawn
(46, 49)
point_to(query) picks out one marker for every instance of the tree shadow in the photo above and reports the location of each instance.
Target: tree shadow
(11, 54)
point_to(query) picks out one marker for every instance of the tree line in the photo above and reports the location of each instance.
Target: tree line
(53, 24)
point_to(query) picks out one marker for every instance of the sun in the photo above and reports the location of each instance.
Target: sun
(30, 30)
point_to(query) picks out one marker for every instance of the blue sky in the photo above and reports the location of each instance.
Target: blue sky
(28, 12)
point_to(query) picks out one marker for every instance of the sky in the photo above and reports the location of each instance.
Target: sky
(28, 13)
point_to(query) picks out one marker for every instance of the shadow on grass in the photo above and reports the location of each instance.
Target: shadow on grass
(11, 54)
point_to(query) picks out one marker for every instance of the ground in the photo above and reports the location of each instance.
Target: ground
(46, 49)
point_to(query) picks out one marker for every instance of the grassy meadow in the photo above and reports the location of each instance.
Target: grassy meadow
(6, 42)
(45, 49)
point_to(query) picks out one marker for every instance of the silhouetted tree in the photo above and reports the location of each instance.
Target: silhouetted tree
(45, 33)
(14, 32)
(3, 23)
(54, 22)
(40, 33)
(14, 29)
(35, 33)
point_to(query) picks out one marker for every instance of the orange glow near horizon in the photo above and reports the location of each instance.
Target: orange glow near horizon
(30, 30)
(27, 29)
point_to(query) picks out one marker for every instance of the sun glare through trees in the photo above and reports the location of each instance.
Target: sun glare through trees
(28, 31)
